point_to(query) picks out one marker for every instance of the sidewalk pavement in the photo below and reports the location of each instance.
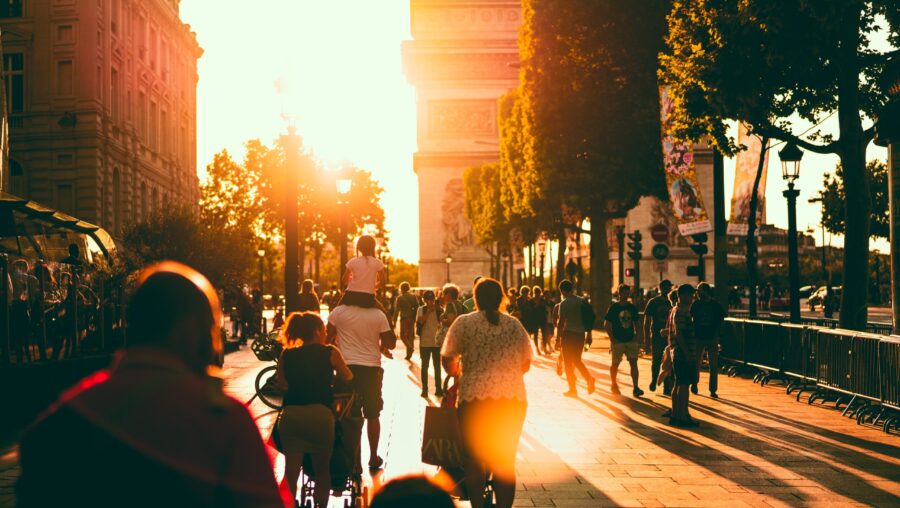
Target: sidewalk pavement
(756, 446)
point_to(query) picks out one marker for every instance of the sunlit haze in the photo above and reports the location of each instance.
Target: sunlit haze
(347, 90)
(350, 99)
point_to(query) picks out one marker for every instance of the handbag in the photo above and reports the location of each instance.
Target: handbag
(441, 438)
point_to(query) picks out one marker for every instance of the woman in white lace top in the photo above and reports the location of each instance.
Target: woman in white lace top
(490, 352)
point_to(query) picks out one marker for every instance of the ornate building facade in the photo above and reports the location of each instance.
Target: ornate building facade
(101, 96)
(462, 58)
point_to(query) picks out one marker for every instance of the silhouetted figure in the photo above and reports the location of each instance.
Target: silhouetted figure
(154, 429)
(308, 300)
(411, 492)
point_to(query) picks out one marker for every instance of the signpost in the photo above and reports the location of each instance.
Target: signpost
(660, 253)
(660, 233)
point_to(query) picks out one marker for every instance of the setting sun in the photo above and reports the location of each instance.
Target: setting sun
(348, 96)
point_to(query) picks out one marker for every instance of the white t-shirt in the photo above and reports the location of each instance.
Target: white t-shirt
(364, 270)
(359, 332)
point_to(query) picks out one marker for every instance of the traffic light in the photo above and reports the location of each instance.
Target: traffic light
(629, 272)
(699, 246)
(634, 245)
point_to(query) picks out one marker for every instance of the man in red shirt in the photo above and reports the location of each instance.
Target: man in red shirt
(155, 428)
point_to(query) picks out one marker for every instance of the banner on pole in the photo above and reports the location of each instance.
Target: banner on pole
(745, 167)
(681, 176)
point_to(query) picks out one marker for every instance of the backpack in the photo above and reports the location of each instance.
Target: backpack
(588, 318)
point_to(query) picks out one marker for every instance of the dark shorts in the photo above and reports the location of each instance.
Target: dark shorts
(491, 429)
(685, 369)
(366, 385)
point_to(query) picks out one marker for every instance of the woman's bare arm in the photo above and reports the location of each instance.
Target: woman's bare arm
(340, 366)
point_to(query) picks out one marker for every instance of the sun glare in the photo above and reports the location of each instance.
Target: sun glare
(345, 88)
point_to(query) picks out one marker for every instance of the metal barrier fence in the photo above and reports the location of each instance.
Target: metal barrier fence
(859, 369)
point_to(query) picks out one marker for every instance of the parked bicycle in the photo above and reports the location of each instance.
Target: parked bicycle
(268, 349)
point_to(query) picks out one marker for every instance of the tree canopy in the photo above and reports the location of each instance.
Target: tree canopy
(834, 196)
(770, 63)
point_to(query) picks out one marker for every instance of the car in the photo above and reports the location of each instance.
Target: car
(806, 291)
(818, 296)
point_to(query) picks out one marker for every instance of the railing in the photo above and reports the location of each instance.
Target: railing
(859, 369)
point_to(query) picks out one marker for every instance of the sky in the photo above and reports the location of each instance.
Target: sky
(351, 102)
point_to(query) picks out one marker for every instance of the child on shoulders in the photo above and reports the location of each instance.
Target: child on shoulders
(364, 275)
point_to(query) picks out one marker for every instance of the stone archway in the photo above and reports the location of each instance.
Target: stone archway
(462, 58)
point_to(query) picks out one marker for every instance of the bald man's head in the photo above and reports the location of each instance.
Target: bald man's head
(176, 308)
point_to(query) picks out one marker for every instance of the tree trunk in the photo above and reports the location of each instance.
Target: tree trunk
(560, 255)
(856, 183)
(601, 283)
(497, 260)
(751, 228)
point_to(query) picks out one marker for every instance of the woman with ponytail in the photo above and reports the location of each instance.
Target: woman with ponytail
(490, 352)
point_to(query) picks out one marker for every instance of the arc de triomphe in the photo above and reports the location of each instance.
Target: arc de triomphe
(462, 58)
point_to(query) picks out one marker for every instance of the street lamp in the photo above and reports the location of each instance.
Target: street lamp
(262, 256)
(448, 260)
(542, 247)
(887, 133)
(790, 170)
(291, 143)
(343, 186)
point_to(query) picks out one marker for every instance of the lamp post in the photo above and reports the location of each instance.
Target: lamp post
(448, 260)
(343, 186)
(291, 144)
(876, 295)
(887, 132)
(506, 269)
(826, 278)
(262, 256)
(790, 170)
(542, 247)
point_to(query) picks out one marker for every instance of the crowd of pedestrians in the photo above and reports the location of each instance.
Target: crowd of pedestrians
(130, 421)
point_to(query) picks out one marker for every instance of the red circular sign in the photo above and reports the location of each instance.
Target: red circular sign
(660, 233)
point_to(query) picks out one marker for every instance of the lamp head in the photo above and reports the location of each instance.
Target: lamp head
(790, 157)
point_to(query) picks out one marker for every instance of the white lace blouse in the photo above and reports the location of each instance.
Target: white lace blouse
(491, 356)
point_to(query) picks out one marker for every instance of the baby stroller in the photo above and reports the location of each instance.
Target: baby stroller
(346, 478)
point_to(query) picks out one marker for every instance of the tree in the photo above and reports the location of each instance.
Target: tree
(587, 111)
(767, 62)
(225, 255)
(249, 196)
(834, 197)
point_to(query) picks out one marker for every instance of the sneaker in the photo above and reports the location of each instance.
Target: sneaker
(652, 386)
(667, 393)
(592, 385)
(667, 414)
(571, 393)
(614, 389)
(714, 395)
(425, 394)
(439, 393)
(694, 389)
(637, 392)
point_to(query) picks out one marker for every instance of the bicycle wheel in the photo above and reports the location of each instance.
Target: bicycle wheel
(267, 388)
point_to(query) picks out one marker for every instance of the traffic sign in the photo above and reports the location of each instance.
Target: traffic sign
(660, 251)
(661, 266)
(660, 233)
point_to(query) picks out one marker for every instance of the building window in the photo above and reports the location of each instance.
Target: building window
(114, 94)
(64, 198)
(64, 77)
(164, 132)
(16, 178)
(116, 200)
(65, 34)
(142, 115)
(114, 17)
(154, 127)
(14, 63)
(10, 8)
